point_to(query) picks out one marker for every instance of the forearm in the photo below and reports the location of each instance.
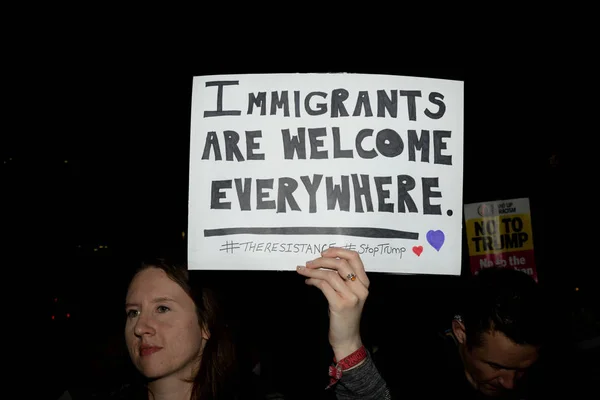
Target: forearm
(363, 382)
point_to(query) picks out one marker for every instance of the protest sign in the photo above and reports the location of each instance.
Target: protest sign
(283, 166)
(499, 234)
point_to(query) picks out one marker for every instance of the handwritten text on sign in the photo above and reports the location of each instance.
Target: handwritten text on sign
(312, 158)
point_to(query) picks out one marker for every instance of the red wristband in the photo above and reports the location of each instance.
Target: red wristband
(335, 371)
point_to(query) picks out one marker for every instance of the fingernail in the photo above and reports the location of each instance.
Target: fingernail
(309, 261)
(300, 267)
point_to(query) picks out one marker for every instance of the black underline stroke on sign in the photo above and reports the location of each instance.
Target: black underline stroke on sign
(308, 230)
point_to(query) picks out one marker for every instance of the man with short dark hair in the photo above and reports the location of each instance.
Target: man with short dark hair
(499, 333)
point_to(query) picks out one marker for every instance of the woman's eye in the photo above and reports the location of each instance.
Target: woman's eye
(132, 313)
(162, 309)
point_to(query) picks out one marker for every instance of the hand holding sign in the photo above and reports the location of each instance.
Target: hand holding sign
(333, 275)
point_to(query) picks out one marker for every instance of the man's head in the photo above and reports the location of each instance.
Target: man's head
(500, 329)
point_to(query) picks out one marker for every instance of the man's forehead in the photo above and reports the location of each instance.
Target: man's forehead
(498, 349)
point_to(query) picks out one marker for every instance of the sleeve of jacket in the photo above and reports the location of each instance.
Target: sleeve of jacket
(363, 382)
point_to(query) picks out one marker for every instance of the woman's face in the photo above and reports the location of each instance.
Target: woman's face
(162, 332)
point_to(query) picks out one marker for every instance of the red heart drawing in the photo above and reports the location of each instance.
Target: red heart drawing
(417, 250)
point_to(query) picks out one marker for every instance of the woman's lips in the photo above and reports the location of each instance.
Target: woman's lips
(147, 350)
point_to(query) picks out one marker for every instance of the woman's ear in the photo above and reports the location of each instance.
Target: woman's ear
(205, 334)
(458, 329)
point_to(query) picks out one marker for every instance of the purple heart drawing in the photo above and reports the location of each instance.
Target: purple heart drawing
(436, 239)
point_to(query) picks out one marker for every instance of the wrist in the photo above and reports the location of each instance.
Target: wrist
(353, 360)
(356, 365)
(343, 351)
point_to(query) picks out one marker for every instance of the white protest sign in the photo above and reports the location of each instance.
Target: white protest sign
(283, 166)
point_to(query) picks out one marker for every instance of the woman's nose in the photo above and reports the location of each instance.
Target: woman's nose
(144, 326)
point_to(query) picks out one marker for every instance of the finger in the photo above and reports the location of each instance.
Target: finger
(342, 266)
(352, 258)
(330, 294)
(337, 278)
(331, 277)
(334, 264)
